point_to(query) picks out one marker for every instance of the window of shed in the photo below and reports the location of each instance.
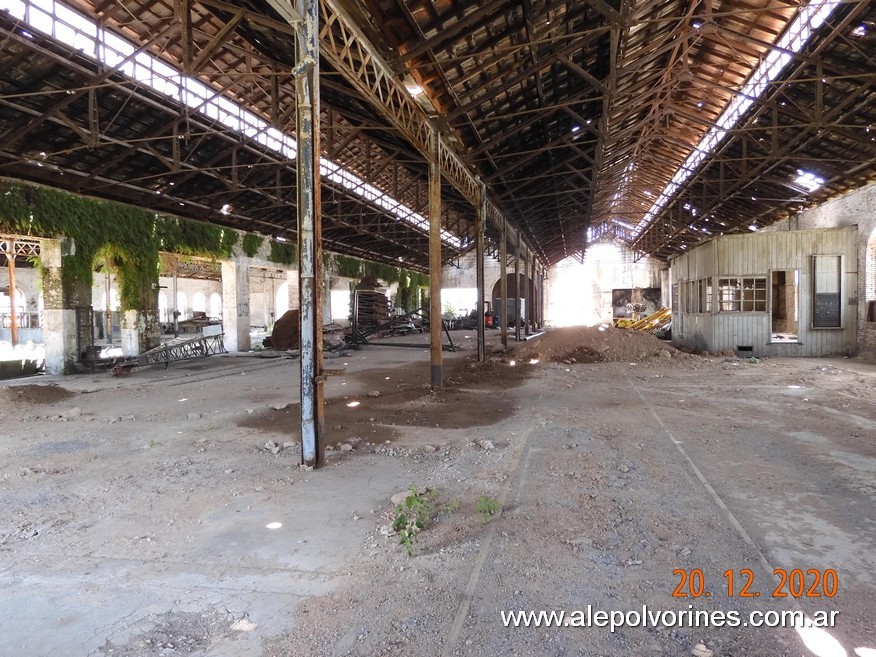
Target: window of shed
(742, 294)
(754, 294)
(729, 295)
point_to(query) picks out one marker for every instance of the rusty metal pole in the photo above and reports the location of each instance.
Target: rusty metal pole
(503, 261)
(517, 288)
(13, 316)
(480, 221)
(435, 322)
(309, 234)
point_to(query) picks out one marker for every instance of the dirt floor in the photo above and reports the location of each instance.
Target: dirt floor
(140, 513)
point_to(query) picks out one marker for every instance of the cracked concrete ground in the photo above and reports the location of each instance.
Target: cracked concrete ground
(136, 509)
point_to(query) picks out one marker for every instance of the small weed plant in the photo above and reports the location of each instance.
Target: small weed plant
(413, 516)
(451, 506)
(487, 507)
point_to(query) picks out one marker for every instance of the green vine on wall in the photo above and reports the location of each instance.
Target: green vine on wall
(131, 239)
(130, 236)
(251, 244)
(283, 253)
(409, 282)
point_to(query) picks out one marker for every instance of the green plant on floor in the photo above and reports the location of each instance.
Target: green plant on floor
(451, 506)
(487, 507)
(413, 516)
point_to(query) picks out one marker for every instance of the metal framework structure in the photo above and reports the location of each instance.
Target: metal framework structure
(570, 117)
(194, 348)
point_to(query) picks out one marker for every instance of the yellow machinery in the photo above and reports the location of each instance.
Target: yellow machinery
(650, 323)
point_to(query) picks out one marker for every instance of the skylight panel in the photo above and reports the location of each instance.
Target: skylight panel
(792, 40)
(81, 33)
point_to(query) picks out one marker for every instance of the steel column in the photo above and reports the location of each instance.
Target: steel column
(503, 259)
(527, 320)
(435, 323)
(517, 289)
(309, 233)
(480, 308)
(13, 315)
(108, 313)
(175, 302)
(540, 309)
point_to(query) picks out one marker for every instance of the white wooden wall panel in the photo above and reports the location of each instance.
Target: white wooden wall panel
(758, 254)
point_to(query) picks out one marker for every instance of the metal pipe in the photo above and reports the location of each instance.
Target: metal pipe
(435, 323)
(503, 261)
(480, 220)
(13, 313)
(309, 234)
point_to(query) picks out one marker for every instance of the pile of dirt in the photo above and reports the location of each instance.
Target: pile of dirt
(34, 394)
(594, 344)
(286, 332)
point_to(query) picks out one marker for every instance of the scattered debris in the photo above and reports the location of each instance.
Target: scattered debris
(700, 650)
(243, 625)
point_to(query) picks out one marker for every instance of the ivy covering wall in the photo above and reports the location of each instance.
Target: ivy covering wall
(129, 237)
(410, 283)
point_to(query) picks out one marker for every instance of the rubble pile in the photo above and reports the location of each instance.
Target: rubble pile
(594, 344)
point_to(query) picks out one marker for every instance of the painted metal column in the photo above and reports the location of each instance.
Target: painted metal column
(541, 298)
(503, 260)
(533, 292)
(527, 287)
(517, 288)
(13, 313)
(309, 234)
(480, 221)
(108, 312)
(435, 323)
(175, 307)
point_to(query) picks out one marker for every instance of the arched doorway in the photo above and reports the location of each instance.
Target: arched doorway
(527, 297)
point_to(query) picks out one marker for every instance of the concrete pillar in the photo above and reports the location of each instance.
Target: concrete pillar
(140, 331)
(59, 322)
(235, 304)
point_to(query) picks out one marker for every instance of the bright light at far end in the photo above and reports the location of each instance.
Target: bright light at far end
(274, 525)
(752, 228)
(353, 404)
(865, 652)
(512, 363)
